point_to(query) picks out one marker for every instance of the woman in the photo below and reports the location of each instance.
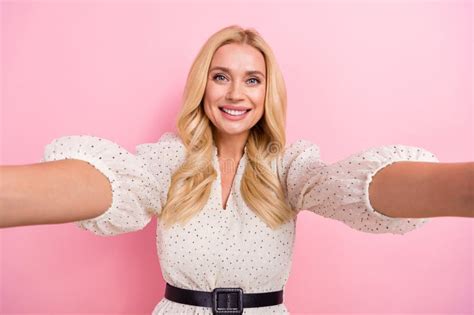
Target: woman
(225, 190)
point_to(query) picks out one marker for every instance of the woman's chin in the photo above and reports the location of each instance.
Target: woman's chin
(232, 130)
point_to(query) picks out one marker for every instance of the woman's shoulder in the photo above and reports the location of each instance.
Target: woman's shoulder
(296, 154)
(172, 138)
(168, 140)
(300, 147)
(169, 149)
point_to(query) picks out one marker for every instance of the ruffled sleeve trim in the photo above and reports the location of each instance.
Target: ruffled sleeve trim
(385, 156)
(361, 168)
(340, 191)
(133, 187)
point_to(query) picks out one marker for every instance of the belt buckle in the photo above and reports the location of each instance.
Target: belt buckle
(218, 293)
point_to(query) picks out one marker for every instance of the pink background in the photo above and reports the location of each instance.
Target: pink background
(358, 73)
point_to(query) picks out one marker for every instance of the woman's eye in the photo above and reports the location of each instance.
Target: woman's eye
(218, 76)
(256, 80)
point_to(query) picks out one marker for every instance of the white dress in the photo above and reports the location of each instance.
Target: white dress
(232, 247)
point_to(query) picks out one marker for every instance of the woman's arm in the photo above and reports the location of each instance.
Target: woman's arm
(423, 189)
(52, 192)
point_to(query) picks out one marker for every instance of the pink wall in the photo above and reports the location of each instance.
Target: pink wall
(358, 73)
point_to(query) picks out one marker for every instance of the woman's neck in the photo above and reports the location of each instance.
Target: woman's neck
(230, 146)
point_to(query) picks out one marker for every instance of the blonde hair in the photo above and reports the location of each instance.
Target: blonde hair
(260, 188)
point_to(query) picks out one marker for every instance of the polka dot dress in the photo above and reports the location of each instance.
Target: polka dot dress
(232, 247)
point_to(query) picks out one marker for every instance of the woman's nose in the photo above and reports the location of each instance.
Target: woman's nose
(235, 91)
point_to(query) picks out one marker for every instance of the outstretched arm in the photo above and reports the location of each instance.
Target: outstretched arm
(52, 192)
(408, 189)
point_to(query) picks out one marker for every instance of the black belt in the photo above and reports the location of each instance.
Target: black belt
(223, 300)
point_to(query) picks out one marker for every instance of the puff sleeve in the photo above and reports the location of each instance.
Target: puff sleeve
(135, 190)
(340, 190)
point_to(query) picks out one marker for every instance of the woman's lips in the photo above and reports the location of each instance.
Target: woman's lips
(231, 107)
(233, 117)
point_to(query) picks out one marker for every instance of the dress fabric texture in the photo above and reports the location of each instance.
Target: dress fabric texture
(232, 247)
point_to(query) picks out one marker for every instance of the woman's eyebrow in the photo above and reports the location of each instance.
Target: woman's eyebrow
(228, 71)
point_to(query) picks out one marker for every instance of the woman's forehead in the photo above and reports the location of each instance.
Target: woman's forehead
(238, 57)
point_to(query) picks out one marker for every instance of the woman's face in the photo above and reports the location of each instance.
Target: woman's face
(235, 91)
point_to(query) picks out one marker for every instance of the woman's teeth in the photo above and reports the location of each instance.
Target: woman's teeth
(234, 112)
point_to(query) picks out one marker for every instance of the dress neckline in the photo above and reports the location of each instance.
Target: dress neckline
(237, 176)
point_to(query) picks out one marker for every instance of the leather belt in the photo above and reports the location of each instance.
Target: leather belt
(223, 301)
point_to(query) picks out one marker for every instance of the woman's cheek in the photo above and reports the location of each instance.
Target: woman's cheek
(261, 98)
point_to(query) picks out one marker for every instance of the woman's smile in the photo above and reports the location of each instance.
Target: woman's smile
(233, 114)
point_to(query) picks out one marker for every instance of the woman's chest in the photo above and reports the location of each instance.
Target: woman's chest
(226, 187)
(236, 240)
